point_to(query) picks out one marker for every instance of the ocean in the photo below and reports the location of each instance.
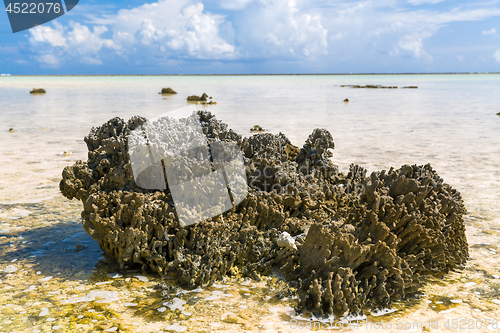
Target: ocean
(449, 121)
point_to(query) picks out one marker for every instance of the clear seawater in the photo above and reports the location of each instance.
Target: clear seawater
(450, 121)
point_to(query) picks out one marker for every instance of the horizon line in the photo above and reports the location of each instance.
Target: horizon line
(259, 74)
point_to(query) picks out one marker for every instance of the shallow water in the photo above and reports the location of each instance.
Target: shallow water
(450, 122)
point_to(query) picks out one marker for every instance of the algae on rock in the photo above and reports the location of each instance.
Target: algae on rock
(361, 241)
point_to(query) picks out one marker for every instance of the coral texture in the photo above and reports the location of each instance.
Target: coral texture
(358, 241)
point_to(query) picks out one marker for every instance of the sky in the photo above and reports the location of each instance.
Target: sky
(258, 37)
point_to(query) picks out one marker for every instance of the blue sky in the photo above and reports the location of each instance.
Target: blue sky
(259, 36)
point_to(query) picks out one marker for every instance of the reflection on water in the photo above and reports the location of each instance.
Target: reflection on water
(53, 275)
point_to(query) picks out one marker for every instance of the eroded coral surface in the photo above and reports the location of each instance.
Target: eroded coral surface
(360, 241)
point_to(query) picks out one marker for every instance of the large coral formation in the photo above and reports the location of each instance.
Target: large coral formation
(360, 241)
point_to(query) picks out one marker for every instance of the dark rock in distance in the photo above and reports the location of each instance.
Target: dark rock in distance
(168, 91)
(410, 87)
(362, 241)
(346, 100)
(37, 91)
(257, 129)
(369, 86)
(195, 98)
(11, 130)
(498, 114)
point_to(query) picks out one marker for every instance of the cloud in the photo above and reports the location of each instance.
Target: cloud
(413, 43)
(386, 30)
(497, 56)
(279, 29)
(56, 44)
(182, 29)
(161, 30)
(45, 34)
(421, 2)
(199, 36)
(492, 31)
(212, 32)
(234, 4)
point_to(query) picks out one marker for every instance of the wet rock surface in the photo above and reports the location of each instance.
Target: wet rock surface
(359, 241)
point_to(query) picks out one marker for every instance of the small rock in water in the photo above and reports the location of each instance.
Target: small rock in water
(129, 304)
(176, 303)
(31, 288)
(114, 275)
(257, 129)
(45, 279)
(285, 240)
(10, 269)
(141, 278)
(175, 328)
(37, 91)
(168, 91)
(79, 247)
(346, 100)
(11, 130)
(44, 312)
(195, 98)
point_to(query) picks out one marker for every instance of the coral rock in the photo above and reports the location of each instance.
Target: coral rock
(360, 241)
(168, 91)
(37, 91)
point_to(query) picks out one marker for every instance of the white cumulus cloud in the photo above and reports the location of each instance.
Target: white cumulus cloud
(162, 30)
(56, 44)
(414, 44)
(279, 28)
(492, 31)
